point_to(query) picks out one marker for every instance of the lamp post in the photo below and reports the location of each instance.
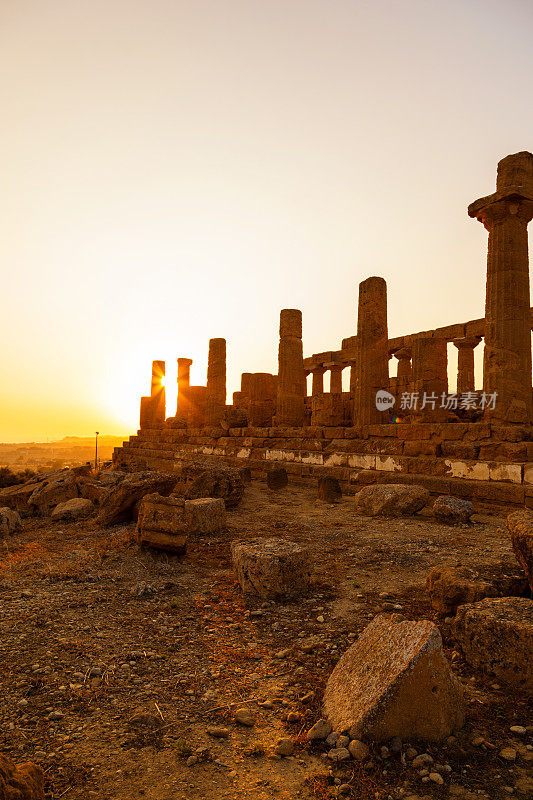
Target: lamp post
(96, 452)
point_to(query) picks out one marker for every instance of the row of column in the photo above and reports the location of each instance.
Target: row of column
(507, 370)
(267, 398)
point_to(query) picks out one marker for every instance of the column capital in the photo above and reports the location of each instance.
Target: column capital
(467, 342)
(514, 192)
(404, 353)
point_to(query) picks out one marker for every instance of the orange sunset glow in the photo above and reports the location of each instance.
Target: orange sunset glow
(179, 171)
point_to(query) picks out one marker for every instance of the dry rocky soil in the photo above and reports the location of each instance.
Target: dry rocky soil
(115, 661)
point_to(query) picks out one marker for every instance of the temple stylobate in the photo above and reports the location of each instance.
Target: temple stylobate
(380, 427)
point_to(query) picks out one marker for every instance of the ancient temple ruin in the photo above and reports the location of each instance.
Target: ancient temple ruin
(475, 444)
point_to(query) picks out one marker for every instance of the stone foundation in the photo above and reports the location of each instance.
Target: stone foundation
(485, 462)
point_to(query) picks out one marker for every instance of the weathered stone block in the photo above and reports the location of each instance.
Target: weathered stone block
(199, 479)
(73, 509)
(271, 568)
(473, 470)
(395, 681)
(451, 586)
(205, 515)
(162, 523)
(20, 781)
(496, 636)
(391, 500)
(452, 510)
(329, 489)
(53, 491)
(520, 527)
(121, 503)
(10, 521)
(276, 478)
(511, 473)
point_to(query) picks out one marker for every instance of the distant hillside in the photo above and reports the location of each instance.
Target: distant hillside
(66, 452)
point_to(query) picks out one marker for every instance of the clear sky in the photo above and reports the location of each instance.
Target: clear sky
(173, 171)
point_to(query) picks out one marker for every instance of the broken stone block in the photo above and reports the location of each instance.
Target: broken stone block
(329, 489)
(452, 510)
(271, 568)
(16, 497)
(277, 478)
(395, 681)
(120, 504)
(496, 636)
(73, 509)
(9, 521)
(451, 586)
(520, 527)
(20, 781)
(391, 500)
(162, 523)
(50, 493)
(201, 479)
(205, 515)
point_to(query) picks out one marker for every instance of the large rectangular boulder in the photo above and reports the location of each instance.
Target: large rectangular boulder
(395, 681)
(205, 515)
(271, 568)
(162, 523)
(496, 636)
(520, 527)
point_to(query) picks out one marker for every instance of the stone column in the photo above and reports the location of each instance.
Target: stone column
(246, 380)
(372, 362)
(262, 399)
(335, 378)
(157, 392)
(216, 381)
(404, 372)
(184, 382)
(291, 375)
(196, 407)
(430, 374)
(507, 357)
(145, 420)
(353, 376)
(466, 380)
(317, 386)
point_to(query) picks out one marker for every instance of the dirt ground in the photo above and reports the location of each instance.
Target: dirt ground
(114, 661)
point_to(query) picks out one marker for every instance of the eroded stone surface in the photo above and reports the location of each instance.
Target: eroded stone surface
(120, 503)
(50, 493)
(496, 636)
(520, 527)
(452, 510)
(205, 515)
(450, 586)
(329, 489)
(9, 521)
(73, 509)
(395, 681)
(277, 478)
(391, 500)
(162, 523)
(201, 479)
(20, 781)
(271, 568)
